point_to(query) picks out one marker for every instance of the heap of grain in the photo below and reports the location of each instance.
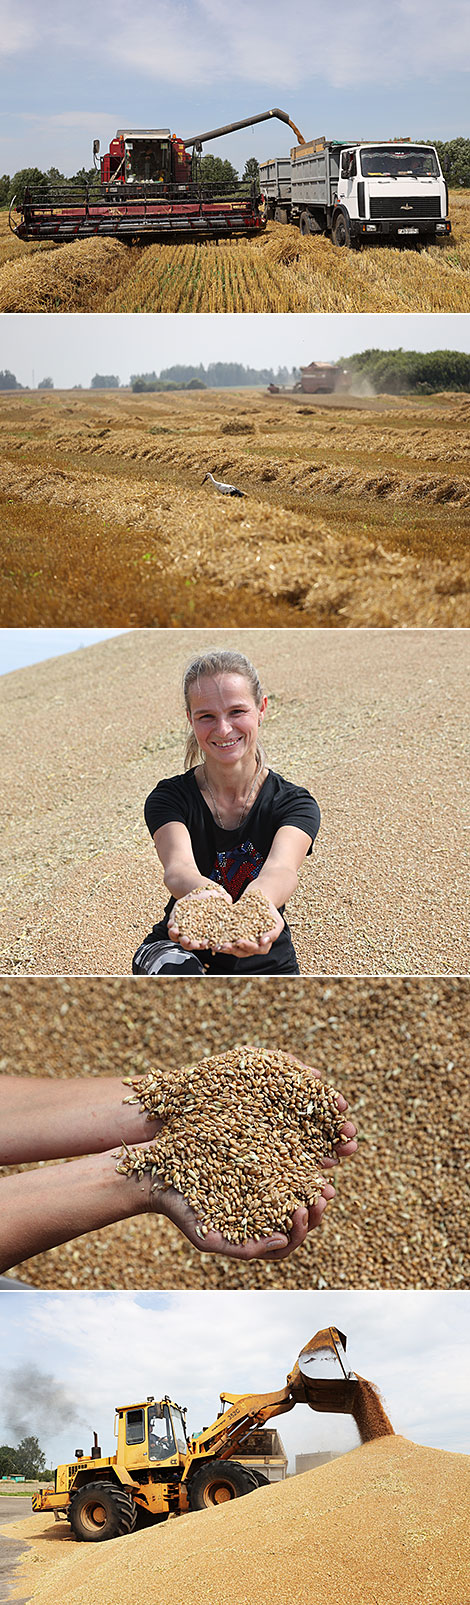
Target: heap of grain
(382, 1523)
(242, 1138)
(206, 918)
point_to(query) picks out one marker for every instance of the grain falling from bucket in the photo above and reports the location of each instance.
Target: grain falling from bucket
(369, 1414)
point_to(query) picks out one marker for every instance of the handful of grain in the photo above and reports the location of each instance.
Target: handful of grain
(206, 917)
(242, 1137)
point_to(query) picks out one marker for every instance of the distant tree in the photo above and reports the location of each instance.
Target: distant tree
(212, 170)
(196, 384)
(454, 157)
(4, 189)
(105, 381)
(8, 381)
(46, 384)
(27, 178)
(251, 172)
(31, 1460)
(8, 1460)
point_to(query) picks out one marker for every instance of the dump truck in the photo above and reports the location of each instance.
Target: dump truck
(359, 192)
(148, 185)
(159, 1470)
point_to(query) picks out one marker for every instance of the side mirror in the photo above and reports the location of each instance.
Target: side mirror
(96, 147)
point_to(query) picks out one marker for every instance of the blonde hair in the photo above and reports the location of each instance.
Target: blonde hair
(209, 665)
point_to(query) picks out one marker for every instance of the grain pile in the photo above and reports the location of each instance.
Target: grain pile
(243, 1136)
(206, 918)
(382, 1524)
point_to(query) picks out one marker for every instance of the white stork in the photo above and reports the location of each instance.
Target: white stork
(225, 490)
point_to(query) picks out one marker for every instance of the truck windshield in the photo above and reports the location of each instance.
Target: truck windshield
(161, 1439)
(395, 161)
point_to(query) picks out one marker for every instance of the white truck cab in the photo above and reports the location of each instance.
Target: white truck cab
(360, 191)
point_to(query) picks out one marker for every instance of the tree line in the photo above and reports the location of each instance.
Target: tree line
(398, 373)
(389, 372)
(26, 1460)
(454, 157)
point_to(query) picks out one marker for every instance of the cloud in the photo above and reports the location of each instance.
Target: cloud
(213, 43)
(19, 29)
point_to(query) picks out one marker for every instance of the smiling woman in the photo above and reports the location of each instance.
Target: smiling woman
(228, 829)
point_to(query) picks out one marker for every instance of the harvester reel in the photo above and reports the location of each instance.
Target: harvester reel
(101, 1511)
(217, 1482)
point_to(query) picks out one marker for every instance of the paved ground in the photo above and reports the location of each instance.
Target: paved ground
(11, 1509)
(372, 722)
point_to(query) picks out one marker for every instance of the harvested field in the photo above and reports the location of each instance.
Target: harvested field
(387, 1517)
(397, 1050)
(278, 272)
(374, 724)
(355, 513)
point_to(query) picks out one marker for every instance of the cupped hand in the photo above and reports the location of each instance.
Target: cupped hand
(247, 948)
(166, 1201)
(214, 890)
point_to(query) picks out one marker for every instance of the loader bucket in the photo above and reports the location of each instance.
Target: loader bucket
(321, 1375)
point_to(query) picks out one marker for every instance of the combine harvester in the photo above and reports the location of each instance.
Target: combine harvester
(159, 1470)
(148, 186)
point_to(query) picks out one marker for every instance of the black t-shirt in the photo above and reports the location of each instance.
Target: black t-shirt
(233, 858)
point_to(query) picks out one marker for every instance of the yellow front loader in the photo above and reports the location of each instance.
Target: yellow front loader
(159, 1470)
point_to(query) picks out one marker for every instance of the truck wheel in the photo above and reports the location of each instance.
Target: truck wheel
(341, 231)
(217, 1482)
(260, 1479)
(100, 1511)
(309, 224)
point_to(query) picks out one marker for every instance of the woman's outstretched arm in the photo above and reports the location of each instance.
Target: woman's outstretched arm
(277, 881)
(41, 1208)
(42, 1118)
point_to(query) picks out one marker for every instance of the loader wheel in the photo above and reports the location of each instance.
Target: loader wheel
(217, 1482)
(100, 1512)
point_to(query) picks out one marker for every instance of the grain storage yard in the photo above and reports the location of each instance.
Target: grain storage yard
(395, 1049)
(279, 272)
(354, 513)
(372, 723)
(387, 1516)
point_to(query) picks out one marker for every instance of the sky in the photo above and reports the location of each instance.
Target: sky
(72, 347)
(18, 648)
(382, 69)
(99, 1350)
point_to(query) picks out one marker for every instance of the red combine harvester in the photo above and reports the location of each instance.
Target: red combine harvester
(148, 185)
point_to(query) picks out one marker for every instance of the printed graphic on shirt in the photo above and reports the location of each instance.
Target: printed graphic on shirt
(236, 868)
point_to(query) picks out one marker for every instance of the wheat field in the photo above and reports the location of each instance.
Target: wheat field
(277, 272)
(354, 513)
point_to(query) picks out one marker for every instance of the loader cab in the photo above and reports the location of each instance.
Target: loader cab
(150, 1435)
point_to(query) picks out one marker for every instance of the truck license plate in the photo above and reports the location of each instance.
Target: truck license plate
(408, 231)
